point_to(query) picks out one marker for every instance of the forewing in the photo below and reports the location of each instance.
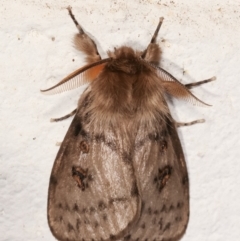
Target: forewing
(92, 192)
(163, 184)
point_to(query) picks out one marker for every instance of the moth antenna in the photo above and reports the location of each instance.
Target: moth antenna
(154, 37)
(175, 88)
(78, 78)
(83, 42)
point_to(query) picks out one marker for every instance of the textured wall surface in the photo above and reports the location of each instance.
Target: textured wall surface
(199, 39)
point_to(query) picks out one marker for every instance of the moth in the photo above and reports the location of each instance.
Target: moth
(120, 172)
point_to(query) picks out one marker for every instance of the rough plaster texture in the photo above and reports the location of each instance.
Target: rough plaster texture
(199, 39)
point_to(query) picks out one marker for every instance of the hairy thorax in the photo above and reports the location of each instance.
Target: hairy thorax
(127, 87)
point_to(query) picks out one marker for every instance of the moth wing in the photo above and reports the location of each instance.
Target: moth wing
(91, 191)
(163, 180)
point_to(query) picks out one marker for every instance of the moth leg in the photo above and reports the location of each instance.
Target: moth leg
(59, 143)
(180, 124)
(189, 86)
(192, 85)
(153, 52)
(64, 117)
(84, 43)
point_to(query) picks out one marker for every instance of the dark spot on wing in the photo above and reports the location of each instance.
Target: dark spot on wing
(154, 221)
(164, 208)
(160, 224)
(104, 217)
(134, 190)
(178, 219)
(77, 129)
(111, 145)
(127, 157)
(168, 225)
(185, 180)
(87, 118)
(117, 200)
(60, 205)
(143, 205)
(139, 144)
(85, 102)
(128, 237)
(70, 227)
(92, 210)
(154, 136)
(112, 237)
(149, 210)
(96, 225)
(84, 210)
(179, 205)
(171, 208)
(84, 134)
(164, 145)
(101, 206)
(75, 207)
(86, 221)
(67, 150)
(78, 223)
(79, 174)
(53, 180)
(162, 177)
(155, 179)
(143, 226)
(156, 212)
(90, 178)
(84, 146)
(100, 137)
(67, 207)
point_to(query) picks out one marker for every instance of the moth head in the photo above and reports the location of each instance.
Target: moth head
(124, 59)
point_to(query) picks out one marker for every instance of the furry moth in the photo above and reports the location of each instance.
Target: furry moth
(120, 172)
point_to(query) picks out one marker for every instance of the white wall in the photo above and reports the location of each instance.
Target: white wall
(202, 37)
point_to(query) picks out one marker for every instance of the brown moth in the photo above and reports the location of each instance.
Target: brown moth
(120, 173)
